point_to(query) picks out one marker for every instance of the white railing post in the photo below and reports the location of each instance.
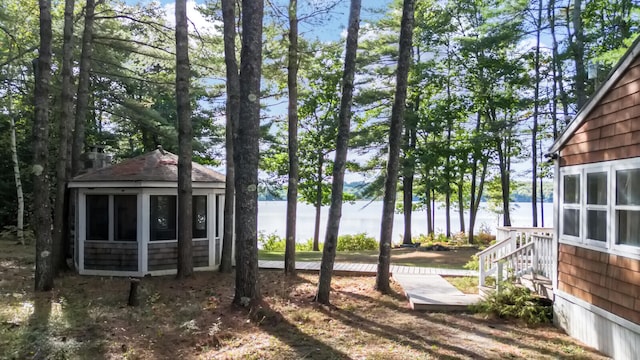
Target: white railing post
(499, 276)
(481, 270)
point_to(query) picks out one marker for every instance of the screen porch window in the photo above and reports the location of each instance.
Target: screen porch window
(112, 217)
(571, 205)
(628, 207)
(597, 206)
(199, 205)
(163, 217)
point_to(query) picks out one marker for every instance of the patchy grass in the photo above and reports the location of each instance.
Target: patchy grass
(453, 259)
(466, 284)
(86, 317)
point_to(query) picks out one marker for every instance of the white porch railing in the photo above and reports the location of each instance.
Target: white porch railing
(522, 250)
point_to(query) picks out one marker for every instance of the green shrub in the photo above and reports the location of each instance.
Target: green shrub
(271, 242)
(473, 264)
(307, 246)
(518, 302)
(356, 242)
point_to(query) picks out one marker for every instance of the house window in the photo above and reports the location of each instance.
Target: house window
(597, 206)
(600, 206)
(628, 207)
(199, 216)
(163, 217)
(571, 205)
(112, 217)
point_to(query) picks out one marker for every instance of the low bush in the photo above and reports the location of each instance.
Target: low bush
(351, 242)
(307, 246)
(514, 301)
(271, 242)
(356, 242)
(473, 264)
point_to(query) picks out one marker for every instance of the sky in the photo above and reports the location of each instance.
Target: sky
(330, 30)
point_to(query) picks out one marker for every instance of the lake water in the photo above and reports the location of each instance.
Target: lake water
(364, 216)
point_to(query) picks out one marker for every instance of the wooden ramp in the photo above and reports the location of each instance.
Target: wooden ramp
(433, 293)
(424, 287)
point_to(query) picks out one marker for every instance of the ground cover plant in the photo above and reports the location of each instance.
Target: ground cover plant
(87, 317)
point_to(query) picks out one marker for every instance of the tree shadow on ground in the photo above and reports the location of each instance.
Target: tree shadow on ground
(483, 329)
(401, 336)
(304, 345)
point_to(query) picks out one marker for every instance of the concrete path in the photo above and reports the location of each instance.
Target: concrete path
(424, 287)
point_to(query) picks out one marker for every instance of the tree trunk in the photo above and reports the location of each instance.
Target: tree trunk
(316, 230)
(232, 113)
(461, 202)
(534, 130)
(558, 76)
(42, 212)
(408, 171)
(246, 155)
(473, 210)
(82, 100)
(578, 54)
(16, 175)
(541, 191)
(292, 190)
(60, 238)
(395, 138)
(407, 205)
(339, 165)
(185, 150)
(427, 194)
(504, 180)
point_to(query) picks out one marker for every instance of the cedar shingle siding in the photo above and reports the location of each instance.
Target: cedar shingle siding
(163, 256)
(610, 282)
(612, 130)
(111, 256)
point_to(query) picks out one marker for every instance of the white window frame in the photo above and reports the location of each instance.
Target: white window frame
(584, 216)
(610, 245)
(564, 206)
(622, 247)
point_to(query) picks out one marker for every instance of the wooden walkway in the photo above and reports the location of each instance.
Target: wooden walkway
(367, 268)
(424, 287)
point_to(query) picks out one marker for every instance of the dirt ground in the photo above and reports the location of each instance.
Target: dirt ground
(87, 318)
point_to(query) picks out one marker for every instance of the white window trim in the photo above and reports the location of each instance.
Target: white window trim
(610, 246)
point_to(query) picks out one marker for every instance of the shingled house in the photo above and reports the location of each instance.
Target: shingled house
(126, 216)
(597, 216)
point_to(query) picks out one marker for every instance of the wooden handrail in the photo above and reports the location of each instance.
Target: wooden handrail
(521, 248)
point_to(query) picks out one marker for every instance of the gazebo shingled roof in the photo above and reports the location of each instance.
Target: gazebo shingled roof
(158, 165)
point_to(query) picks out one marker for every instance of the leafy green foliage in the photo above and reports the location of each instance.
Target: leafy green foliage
(513, 301)
(271, 242)
(350, 242)
(356, 242)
